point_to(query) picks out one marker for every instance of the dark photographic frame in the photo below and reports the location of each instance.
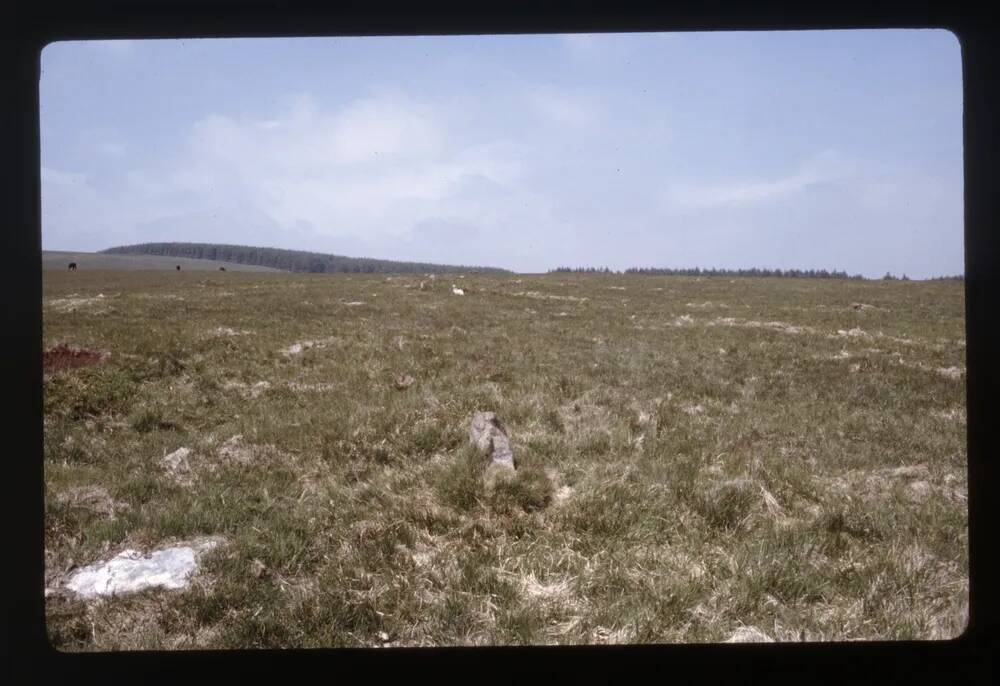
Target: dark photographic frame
(968, 658)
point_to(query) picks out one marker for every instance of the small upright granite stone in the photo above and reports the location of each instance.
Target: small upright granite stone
(489, 437)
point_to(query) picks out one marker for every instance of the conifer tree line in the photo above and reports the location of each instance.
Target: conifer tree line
(697, 271)
(754, 271)
(291, 260)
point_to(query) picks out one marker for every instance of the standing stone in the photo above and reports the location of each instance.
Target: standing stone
(489, 437)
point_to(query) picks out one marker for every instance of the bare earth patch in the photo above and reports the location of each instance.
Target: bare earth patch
(64, 357)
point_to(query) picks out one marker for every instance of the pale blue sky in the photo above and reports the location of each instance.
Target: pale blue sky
(817, 149)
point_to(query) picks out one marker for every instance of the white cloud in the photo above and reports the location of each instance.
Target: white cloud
(563, 109)
(370, 171)
(823, 168)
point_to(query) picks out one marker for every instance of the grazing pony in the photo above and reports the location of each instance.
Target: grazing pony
(178, 267)
(72, 266)
(222, 269)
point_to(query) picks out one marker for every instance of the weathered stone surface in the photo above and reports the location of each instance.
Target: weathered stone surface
(177, 461)
(489, 436)
(131, 571)
(403, 381)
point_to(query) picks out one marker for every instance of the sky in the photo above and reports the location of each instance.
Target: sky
(799, 149)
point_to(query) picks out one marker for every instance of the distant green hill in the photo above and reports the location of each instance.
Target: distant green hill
(60, 259)
(289, 260)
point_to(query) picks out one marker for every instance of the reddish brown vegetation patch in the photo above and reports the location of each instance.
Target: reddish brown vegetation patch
(64, 357)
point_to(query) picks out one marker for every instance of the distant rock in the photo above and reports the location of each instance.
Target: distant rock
(489, 436)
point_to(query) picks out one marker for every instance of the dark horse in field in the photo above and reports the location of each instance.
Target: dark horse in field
(178, 267)
(72, 266)
(222, 269)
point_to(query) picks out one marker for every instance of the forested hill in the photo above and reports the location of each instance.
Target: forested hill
(290, 260)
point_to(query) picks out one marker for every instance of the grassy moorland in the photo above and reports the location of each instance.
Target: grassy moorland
(696, 455)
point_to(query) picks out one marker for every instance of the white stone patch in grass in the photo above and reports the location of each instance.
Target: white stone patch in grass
(693, 409)
(951, 372)
(615, 288)
(954, 414)
(861, 307)
(782, 327)
(158, 296)
(706, 304)
(356, 303)
(249, 390)
(259, 388)
(302, 346)
(70, 304)
(683, 320)
(545, 296)
(299, 387)
(227, 331)
(130, 570)
(854, 333)
(176, 462)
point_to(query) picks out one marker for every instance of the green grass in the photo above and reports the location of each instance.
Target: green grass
(694, 455)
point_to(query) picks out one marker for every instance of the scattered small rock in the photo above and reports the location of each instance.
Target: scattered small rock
(402, 382)
(177, 461)
(257, 568)
(489, 436)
